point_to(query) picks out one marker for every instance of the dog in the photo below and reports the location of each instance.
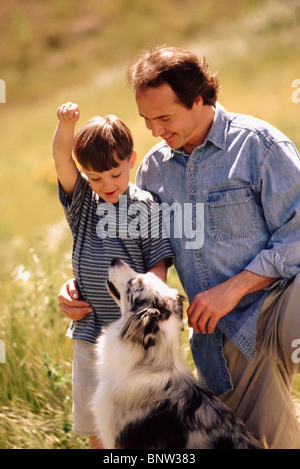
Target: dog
(146, 398)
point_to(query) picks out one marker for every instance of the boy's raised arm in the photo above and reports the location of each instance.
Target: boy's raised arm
(62, 146)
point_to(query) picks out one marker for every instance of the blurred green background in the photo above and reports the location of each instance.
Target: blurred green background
(62, 50)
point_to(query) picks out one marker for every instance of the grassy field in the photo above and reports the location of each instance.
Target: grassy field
(52, 52)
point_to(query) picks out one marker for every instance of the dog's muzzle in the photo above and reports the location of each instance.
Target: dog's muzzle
(111, 287)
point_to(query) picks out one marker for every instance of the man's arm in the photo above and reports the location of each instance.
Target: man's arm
(62, 146)
(211, 305)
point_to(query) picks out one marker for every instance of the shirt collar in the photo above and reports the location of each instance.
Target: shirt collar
(218, 131)
(216, 135)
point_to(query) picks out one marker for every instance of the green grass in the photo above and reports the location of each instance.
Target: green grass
(35, 381)
(57, 51)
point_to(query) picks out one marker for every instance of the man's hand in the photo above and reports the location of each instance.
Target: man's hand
(68, 303)
(211, 305)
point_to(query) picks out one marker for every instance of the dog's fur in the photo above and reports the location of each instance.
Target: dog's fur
(146, 397)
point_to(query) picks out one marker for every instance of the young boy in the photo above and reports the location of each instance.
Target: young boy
(103, 148)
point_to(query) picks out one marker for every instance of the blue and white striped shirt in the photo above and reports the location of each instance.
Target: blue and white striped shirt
(88, 216)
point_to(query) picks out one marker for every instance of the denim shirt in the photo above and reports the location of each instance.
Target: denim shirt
(246, 176)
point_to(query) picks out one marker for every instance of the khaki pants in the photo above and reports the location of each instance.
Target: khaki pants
(84, 385)
(262, 388)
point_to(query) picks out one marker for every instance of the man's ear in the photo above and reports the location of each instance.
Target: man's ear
(198, 101)
(133, 159)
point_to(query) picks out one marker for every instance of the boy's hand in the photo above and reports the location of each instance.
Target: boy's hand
(62, 147)
(68, 112)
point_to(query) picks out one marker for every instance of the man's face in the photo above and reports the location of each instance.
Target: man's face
(166, 117)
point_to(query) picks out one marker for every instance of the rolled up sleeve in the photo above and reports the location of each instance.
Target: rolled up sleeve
(279, 181)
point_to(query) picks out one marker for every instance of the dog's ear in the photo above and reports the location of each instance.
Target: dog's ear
(150, 320)
(180, 300)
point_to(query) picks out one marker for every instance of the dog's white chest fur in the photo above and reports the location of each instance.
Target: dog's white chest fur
(127, 385)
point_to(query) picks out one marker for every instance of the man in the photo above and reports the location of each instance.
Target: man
(247, 175)
(243, 284)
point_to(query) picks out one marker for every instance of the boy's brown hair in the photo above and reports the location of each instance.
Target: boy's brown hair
(188, 76)
(101, 141)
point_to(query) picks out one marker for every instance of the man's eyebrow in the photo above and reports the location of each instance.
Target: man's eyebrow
(156, 118)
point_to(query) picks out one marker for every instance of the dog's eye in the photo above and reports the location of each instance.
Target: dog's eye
(138, 303)
(129, 283)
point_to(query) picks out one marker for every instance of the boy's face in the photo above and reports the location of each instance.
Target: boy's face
(109, 185)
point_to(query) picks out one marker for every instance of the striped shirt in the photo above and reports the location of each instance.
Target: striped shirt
(102, 231)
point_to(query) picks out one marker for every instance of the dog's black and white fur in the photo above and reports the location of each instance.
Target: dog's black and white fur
(146, 397)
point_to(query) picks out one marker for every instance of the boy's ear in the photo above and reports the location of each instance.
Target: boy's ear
(133, 159)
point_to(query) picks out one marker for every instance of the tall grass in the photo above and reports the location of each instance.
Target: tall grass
(35, 380)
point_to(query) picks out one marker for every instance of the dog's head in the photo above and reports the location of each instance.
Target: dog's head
(145, 301)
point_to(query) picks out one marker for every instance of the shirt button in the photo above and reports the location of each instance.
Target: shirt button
(206, 284)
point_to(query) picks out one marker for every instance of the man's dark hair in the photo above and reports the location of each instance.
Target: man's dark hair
(188, 76)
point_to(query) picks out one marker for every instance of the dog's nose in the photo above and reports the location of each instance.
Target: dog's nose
(115, 261)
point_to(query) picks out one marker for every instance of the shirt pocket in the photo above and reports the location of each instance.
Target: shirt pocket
(232, 213)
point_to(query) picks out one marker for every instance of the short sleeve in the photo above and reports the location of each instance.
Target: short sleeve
(72, 208)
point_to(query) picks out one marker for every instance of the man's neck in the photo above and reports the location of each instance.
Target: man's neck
(207, 119)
